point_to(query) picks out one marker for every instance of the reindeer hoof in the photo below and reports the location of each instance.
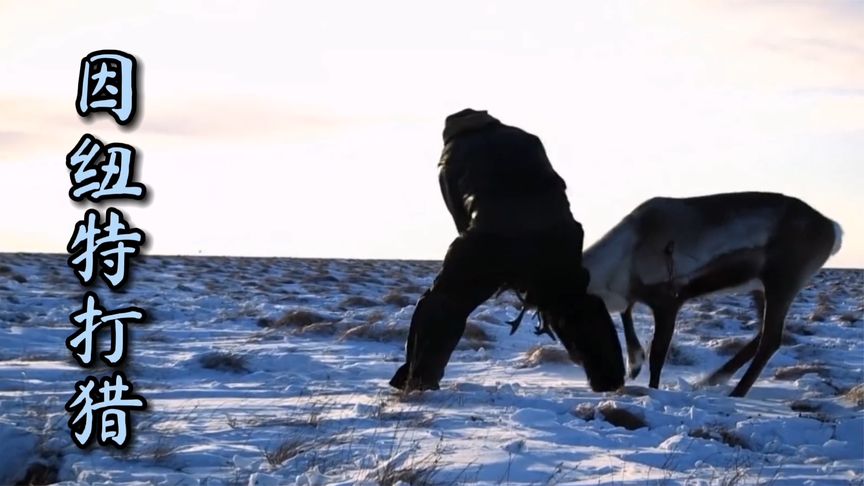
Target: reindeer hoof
(634, 363)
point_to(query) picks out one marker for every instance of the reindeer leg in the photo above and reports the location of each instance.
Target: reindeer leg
(728, 369)
(759, 302)
(777, 302)
(744, 354)
(635, 352)
(664, 325)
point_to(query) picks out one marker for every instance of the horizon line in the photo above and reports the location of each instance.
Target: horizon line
(189, 255)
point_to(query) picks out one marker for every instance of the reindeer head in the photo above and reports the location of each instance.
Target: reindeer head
(589, 336)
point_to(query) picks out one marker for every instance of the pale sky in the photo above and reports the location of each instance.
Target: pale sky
(312, 129)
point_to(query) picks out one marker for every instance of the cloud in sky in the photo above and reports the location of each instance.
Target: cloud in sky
(313, 129)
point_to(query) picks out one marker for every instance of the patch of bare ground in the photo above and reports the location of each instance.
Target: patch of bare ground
(621, 417)
(810, 409)
(610, 412)
(805, 406)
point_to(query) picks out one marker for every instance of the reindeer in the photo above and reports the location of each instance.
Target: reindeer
(668, 251)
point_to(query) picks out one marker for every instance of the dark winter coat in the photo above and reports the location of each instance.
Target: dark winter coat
(497, 178)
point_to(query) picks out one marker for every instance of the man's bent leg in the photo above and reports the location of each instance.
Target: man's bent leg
(436, 327)
(465, 281)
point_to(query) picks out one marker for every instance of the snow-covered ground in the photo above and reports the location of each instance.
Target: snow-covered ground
(274, 371)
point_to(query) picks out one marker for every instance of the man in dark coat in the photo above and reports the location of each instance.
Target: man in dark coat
(515, 232)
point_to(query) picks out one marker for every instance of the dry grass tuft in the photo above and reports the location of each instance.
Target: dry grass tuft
(821, 314)
(321, 328)
(491, 319)
(411, 288)
(475, 332)
(678, 356)
(321, 278)
(397, 299)
(154, 337)
(790, 373)
(407, 475)
(810, 409)
(224, 361)
(720, 434)
(161, 452)
(376, 315)
(39, 474)
(799, 328)
(418, 473)
(377, 332)
(730, 346)
(539, 355)
(788, 339)
(585, 411)
(804, 406)
(285, 451)
(294, 318)
(855, 395)
(358, 301)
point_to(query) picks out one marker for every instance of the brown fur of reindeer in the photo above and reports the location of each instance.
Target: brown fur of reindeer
(668, 251)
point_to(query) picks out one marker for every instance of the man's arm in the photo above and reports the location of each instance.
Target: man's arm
(448, 181)
(450, 170)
